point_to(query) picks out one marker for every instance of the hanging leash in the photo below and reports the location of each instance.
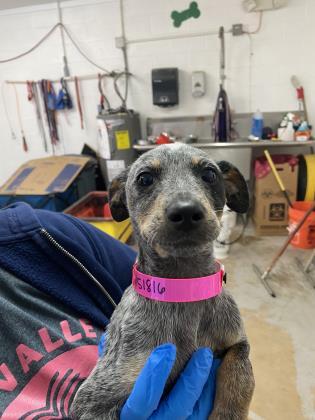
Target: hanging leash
(39, 115)
(18, 110)
(29, 88)
(51, 102)
(63, 101)
(49, 99)
(77, 92)
(32, 95)
(43, 92)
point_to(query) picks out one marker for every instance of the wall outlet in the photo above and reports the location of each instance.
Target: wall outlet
(237, 29)
(198, 80)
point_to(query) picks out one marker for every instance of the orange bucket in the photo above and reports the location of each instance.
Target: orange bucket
(305, 237)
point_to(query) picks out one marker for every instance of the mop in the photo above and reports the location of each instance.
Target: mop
(263, 276)
(300, 95)
(222, 122)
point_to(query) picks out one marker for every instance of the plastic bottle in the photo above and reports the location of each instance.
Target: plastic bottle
(257, 124)
(288, 133)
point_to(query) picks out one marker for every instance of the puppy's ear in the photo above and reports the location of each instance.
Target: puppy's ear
(236, 191)
(117, 197)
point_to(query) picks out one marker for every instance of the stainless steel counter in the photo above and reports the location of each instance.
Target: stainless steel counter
(238, 145)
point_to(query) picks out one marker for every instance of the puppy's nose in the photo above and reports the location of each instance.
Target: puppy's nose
(185, 214)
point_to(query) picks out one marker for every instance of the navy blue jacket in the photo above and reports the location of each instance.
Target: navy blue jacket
(68, 259)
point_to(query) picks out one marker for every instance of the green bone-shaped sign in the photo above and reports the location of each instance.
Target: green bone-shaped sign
(192, 12)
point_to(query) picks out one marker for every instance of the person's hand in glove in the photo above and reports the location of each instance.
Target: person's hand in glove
(190, 398)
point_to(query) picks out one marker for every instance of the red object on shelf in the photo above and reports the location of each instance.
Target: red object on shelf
(163, 138)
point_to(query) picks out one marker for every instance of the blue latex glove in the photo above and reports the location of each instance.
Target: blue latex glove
(191, 397)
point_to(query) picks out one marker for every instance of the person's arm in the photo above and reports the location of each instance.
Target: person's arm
(117, 257)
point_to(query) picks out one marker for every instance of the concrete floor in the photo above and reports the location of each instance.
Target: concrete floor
(281, 330)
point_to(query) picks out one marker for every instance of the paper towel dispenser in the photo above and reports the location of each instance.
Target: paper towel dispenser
(165, 86)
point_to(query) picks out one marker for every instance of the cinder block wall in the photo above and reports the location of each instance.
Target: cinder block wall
(282, 47)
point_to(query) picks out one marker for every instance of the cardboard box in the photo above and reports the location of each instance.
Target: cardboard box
(45, 176)
(52, 183)
(270, 217)
(270, 207)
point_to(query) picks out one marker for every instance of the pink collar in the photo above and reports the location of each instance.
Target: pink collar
(178, 290)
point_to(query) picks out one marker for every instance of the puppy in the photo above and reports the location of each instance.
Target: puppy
(174, 196)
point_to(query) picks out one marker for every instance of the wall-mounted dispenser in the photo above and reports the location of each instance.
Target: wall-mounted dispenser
(198, 84)
(165, 87)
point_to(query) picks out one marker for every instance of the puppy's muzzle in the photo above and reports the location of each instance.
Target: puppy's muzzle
(185, 214)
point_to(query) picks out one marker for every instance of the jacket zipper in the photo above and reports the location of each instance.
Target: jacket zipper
(78, 264)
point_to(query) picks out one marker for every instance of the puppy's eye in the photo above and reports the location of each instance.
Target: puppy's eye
(145, 179)
(208, 175)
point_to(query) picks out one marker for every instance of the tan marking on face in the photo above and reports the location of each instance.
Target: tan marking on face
(160, 251)
(211, 214)
(156, 211)
(155, 163)
(195, 160)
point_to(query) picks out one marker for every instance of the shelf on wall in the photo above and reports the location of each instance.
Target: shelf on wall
(236, 145)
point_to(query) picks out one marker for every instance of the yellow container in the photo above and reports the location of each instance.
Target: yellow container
(121, 231)
(93, 208)
(310, 188)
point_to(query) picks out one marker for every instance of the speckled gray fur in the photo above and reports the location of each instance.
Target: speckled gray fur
(138, 325)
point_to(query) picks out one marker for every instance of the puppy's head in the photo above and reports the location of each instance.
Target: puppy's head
(174, 196)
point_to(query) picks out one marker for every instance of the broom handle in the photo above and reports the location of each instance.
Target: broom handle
(277, 176)
(305, 109)
(288, 240)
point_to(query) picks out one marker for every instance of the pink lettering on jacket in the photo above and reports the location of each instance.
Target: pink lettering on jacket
(52, 388)
(9, 382)
(27, 356)
(65, 328)
(87, 328)
(47, 341)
